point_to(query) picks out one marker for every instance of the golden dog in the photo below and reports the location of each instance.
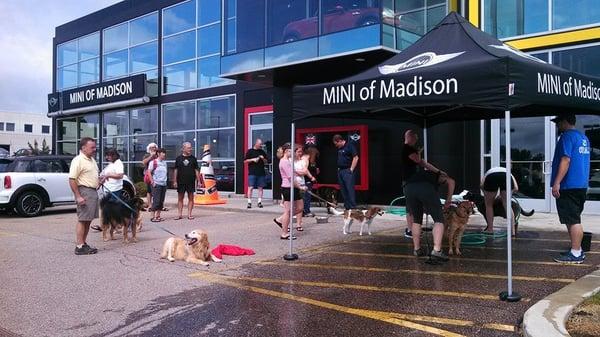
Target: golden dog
(455, 220)
(194, 249)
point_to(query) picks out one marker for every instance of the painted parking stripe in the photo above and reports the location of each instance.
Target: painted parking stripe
(409, 244)
(389, 317)
(410, 271)
(373, 288)
(407, 256)
(4, 234)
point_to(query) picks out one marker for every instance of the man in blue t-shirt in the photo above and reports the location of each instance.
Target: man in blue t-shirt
(569, 181)
(347, 160)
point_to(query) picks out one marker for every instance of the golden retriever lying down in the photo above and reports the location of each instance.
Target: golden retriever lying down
(194, 249)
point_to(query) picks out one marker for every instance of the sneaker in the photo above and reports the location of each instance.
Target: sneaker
(259, 205)
(249, 205)
(569, 258)
(407, 233)
(96, 228)
(441, 256)
(419, 252)
(85, 250)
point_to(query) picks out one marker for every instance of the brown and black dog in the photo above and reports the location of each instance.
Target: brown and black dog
(115, 215)
(455, 220)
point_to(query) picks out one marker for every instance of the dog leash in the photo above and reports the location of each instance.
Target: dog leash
(319, 197)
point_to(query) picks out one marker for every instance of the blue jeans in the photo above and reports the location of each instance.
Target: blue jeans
(307, 197)
(346, 181)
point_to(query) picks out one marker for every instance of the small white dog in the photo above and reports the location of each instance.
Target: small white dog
(365, 217)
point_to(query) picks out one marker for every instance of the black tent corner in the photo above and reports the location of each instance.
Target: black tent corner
(454, 72)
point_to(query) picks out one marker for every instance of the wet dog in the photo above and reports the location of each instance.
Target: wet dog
(365, 216)
(479, 201)
(115, 215)
(193, 249)
(455, 220)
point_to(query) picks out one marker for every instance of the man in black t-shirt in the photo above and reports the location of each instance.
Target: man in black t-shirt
(347, 161)
(187, 173)
(256, 158)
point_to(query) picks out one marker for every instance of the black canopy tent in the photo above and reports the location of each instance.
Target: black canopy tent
(454, 72)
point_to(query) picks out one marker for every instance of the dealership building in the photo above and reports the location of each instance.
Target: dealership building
(221, 72)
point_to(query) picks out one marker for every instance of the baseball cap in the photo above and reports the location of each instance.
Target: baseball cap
(570, 118)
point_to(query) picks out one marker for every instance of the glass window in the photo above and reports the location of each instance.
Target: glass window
(209, 40)
(171, 142)
(582, 60)
(349, 40)
(89, 46)
(10, 126)
(209, 11)
(180, 77)
(290, 21)
(209, 71)
(542, 56)
(505, 18)
(45, 128)
(121, 144)
(69, 148)
(225, 175)
(143, 57)
(67, 77)
(67, 53)
(180, 47)
(28, 128)
(137, 149)
(144, 120)
(222, 142)
(250, 16)
(569, 13)
(116, 38)
(340, 15)
(143, 29)
(1, 126)
(179, 116)
(290, 52)
(216, 113)
(89, 72)
(115, 64)
(116, 123)
(179, 18)
(88, 126)
(66, 129)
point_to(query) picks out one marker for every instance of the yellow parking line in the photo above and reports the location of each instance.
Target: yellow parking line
(399, 319)
(4, 234)
(406, 256)
(373, 288)
(409, 271)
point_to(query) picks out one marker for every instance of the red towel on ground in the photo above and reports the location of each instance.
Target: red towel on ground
(221, 250)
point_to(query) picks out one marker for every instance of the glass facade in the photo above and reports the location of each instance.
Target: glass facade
(192, 46)
(131, 48)
(77, 62)
(205, 121)
(509, 18)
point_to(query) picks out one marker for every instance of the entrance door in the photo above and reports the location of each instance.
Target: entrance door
(261, 126)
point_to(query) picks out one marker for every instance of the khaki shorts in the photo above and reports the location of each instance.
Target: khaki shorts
(89, 211)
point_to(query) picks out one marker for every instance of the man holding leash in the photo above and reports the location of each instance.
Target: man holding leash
(83, 180)
(347, 160)
(569, 181)
(187, 174)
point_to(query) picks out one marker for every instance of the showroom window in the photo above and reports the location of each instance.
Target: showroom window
(131, 48)
(192, 46)
(509, 18)
(78, 62)
(206, 121)
(70, 130)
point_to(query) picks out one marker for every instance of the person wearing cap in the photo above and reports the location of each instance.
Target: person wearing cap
(569, 181)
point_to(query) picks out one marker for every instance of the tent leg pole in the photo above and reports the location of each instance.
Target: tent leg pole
(509, 295)
(425, 145)
(291, 256)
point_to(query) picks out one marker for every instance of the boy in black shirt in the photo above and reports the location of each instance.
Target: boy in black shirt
(187, 173)
(256, 158)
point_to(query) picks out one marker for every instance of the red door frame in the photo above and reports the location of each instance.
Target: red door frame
(363, 156)
(247, 112)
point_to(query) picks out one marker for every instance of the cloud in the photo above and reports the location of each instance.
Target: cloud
(27, 28)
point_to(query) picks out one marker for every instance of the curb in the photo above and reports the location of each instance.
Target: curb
(548, 317)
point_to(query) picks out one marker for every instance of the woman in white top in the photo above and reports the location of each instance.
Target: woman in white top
(112, 175)
(493, 181)
(300, 170)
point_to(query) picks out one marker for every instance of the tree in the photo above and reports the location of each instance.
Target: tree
(36, 151)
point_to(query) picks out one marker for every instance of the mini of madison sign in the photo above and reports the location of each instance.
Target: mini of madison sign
(101, 93)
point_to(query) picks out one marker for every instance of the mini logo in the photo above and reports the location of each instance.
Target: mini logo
(52, 102)
(422, 60)
(355, 137)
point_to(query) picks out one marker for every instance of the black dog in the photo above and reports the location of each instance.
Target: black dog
(479, 201)
(115, 214)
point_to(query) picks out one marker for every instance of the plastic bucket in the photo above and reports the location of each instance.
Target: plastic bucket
(586, 242)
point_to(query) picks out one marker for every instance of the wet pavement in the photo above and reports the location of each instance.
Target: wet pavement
(340, 286)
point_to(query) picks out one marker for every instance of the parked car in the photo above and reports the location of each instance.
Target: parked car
(30, 184)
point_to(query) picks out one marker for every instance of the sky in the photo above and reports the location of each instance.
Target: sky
(26, 32)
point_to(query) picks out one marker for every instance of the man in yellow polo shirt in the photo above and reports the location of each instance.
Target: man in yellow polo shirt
(83, 179)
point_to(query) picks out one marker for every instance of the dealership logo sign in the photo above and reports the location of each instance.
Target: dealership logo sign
(422, 60)
(52, 101)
